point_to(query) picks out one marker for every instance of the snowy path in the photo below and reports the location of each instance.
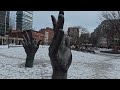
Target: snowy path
(84, 65)
(97, 66)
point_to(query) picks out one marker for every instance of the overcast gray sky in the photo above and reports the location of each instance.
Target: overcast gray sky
(87, 19)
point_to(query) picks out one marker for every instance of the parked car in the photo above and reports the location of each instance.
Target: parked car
(87, 48)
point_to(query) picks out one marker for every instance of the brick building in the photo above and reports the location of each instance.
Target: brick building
(48, 34)
(38, 36)
(15, 37)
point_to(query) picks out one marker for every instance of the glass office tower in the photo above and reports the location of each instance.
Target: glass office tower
(24, 20)
(4, 22)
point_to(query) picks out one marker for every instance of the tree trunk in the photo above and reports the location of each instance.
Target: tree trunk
(29, 61)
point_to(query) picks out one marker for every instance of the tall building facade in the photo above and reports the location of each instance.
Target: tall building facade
(48, 35)
(12, 20)
(4, 22)
(73, 33)
(78, 35)
(24, 20)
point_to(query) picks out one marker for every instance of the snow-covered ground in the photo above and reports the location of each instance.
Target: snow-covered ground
(84, 65)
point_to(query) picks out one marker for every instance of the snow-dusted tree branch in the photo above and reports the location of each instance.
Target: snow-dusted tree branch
(112, 28)
(30, 46)
(114, 19)
(59, 50)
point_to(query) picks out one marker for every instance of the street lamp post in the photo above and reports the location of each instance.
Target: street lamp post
(5, 20)
(8, 41)
(5, 23)
(6, 28)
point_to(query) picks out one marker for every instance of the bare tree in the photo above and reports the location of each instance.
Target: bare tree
(112, 29)
(30, 46)
(113, 17)
(59, 50)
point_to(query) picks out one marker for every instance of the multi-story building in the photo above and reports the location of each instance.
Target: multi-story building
(4, 22)
(77, 35)
(12, 20)
(24, 20)
(73, 33)
(84, 38)
(48, 35)
(15, 37)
